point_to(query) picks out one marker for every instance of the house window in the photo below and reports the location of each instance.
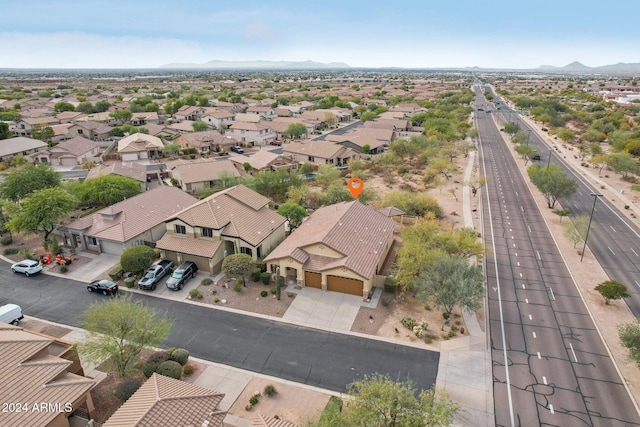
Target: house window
(207, 232)
(80, 131)
(311, 159)
(259, 251)
(246, 251)
(180, 229)
(94, 241)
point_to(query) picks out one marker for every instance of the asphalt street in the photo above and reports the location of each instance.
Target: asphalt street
(314, 357)
(550, 364)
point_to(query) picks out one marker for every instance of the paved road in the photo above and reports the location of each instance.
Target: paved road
(339, 131)
(613, 239)
(550, 365)
(318, 358)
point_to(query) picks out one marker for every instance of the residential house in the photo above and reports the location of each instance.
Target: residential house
(182, 127)
(203, 142)
(253, 133)
(25, 126)
(397, 124)
(44, 377)
(235, 220)
(20, 146)
(144, 118)
(135, 221)
(165, 401)
(247, 118)
(262, 160)
(139, 146)
(72, 152)
(129, 169)
(340, 248)
(229, 106)
(68, 116)
(282, 112)
(188, 112)
(266, 113)
(91, 130)
(60, 132)
(219, 119)
(103, 117)
(318, 152)
(376, 139)
(280, 125)
(193, 177)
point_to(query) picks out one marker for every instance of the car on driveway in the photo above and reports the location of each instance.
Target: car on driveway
(27, 267)
(276, 142)
(180, 276)
(107, 287)
(237, 149)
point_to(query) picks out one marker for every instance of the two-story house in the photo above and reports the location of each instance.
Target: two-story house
(253, 133)
(219, 119)
(266, 113)
(235, 220)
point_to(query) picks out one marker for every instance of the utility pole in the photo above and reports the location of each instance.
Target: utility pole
(593, 208)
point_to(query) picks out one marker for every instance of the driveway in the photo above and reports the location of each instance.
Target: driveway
(324, 309)
(98, 265)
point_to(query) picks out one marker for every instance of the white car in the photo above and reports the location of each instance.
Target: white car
(27, 266)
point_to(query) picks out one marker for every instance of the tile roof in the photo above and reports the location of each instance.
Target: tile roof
(238, 211)
(200, 247)
(138, 142)
(29, 374)
(201, 139)
(258, 160)
(318, 148)
(391, 211)
(77, 146)
(18, 145)
(245, 125)
(131, 217)
(164, 401)
(355, 230)
(133, 170)
(202, 171)
(265, 421)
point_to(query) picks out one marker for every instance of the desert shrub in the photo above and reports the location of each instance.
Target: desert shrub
(265, 277)
(116, 273)
(273, 290)
(635, 187)
(253, 400)
(10, 251)
(187, 370)
(269, 390)
(390, 285)
(193, 293)
(126, 388)
(420, 328)
(206, 281)
(54, 246)
(170, 369)
(408, 322)
(63, 268)
(25, 253)
(216, 300)
(137, 258)
(129, 282)
(158, 357)
(264, 294)
(237, 287)
(254, 274)
(445, 315)
(148, 369)
(180, 355)
(6, 240)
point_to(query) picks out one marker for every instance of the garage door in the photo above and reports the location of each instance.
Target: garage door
(313, 280)
(201, 262)
(171, 256)
(345, 285)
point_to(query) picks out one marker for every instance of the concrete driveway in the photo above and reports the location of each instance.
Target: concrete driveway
(324, 309)
(98, 265)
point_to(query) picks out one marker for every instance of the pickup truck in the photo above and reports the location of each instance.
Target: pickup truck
(153, 275)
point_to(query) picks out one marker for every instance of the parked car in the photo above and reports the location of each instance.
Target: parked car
(276, 142)
(154, 274)
(27, 267)
(536, 157)
(11, 313)
(180, 276)
(107, 287)
(237, 149)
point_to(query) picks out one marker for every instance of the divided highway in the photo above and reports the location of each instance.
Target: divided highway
(550, 364)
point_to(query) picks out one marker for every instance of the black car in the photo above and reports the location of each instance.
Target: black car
(107, 287)
(181, 274)
(536, 157)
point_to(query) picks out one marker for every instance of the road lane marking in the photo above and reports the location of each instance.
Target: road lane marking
(529, 228)
(530, 317)
(611, 227)
(521, 208)
(514, 245)
(611, 250)
(544, 380)
(539, 356)
(518, 264)
(520, 274)
(634, 252)
(516, 253)
(551, 408)
(523, 286)
(552, 294)
(527, 299)
(637, 284)
(574, 353)
(539, 255)
(534, 335)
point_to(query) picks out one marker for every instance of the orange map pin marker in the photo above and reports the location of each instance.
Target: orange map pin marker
(356, 185)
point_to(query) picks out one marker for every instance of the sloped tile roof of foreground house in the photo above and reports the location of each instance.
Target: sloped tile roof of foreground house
(138, 142)
(30, 375)
(265, 421)
(356, 231)
(164, 401)
(18, 145)
(131, 217)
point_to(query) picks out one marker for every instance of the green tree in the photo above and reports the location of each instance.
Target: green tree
(42, 210)
(379, 401)
(306, 168)
(101, 106)
(296, 130)
(511, 128)
(526, 151)
(552, 183)
(119, 328)
(612, 289)
(412, 203)
(4, 130)
(19, 183)
(199, 126)
(294, 214)
(366, 148)
(599, 161)
(452, 281)
(171, 149)
(121, 116)
(562, 213)
(623, 163)
(630, 337)
(274, 185)
(238, 266)
(327, 175)
(576, 229)
(335, 193)
(61, 106)
(85, 107)
(566, 135)
(137, 258)
(43, 133)
(106, 190)
(330, 120)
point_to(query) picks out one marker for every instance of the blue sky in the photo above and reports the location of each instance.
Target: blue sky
(422, 34)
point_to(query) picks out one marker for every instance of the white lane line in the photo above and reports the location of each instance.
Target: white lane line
(511, 237)
(521, 208)
(578, 207)
(518, 264)
(611, 250)
(514, 245)
(516, 253)
(529, 228)
(523, 286)
(634, 252)
(552, 294)
(510, 230)
(539, 356)
(544, 380)
(520, 274)
(573, 352)
(551, 408)
(534, 335)
(637, 284)
(611, 227)
(527, 299)
(530, 317)
(539, 255)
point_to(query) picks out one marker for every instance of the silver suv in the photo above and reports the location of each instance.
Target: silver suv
(181, 274)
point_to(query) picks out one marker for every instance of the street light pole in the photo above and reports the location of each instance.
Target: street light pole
(593, 208)
(549, 159)
(528, 135)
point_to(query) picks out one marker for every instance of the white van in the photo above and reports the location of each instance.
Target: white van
(11, 313)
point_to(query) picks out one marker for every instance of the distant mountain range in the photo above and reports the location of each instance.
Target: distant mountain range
(577, 67)
(259, 65)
